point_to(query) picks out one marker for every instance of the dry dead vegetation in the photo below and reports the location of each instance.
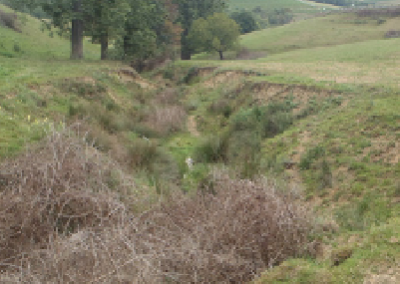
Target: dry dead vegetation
(9, 20)
(66, 216)
(167, 114)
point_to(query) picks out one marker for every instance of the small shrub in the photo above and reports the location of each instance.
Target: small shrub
(17, 47)
(212, 150)
(325, 175)
(169, 71)
(246, 119)
(88, 90)
(276, 123)
(167, 119)
(191, 76)
(268, 120)
(144, 131)
(113, 122)
(340, 255)
(380, 21)
(168, 96)
(165, 168)
(77, 109)
(99, 139)
(311, 108)
(244, 152)
(233, 232)
(396, 192)
(221, 107)
(310, 156)
(9, 20)
(142, 153)
(54, 189)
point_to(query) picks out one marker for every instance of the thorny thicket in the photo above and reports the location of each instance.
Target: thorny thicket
(62, 221)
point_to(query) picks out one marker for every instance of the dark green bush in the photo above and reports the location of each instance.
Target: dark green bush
(267, 120)
(311, 108)
(244, 152)
(245, 120)
(222, 106)
(9, 20)
(88, 90)
(142, 153)
(212, 150)
(325, 175)
(310, 156)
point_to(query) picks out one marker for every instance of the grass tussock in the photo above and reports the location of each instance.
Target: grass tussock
(9, 20)
(53, 190)
(166, 119)
(231, 232)
(66, 218)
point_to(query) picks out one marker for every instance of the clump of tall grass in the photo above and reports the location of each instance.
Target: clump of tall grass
(166, 119)
(9, 20)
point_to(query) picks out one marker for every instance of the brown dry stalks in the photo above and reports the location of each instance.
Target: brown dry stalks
(61, 223)
(168, 96)
(229, 236)
(9, 20)
(167, 119)
(54, 189)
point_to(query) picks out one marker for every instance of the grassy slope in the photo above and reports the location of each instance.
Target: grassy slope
(267, 4)
(295, 5)
(41, 59)
(360, 140)
(321, 31)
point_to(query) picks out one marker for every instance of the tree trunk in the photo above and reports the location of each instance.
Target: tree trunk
(104, 47)
(221, 55)
(186, 52)
(77, 33)
(126, 45)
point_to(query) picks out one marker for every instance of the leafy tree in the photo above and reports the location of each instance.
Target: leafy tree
(189, 11)
(107, 22)
(280, 16)
(217, 32)
(149, 30)
(78, 17)
(246, 21)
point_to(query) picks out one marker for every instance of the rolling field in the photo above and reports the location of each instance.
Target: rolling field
(300, 8)
(346, 73)
(330, 30)
(266, 4)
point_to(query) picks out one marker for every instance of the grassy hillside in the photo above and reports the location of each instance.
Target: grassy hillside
(44, 47)
(321, 31)
(339, 89)
(29, 59)
(300, 9)
(33, 55)
(339, 142)
(267, 4)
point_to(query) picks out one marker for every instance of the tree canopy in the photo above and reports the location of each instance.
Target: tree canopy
(143, 26)
(189, 11)
(246, 21)
(217, 32)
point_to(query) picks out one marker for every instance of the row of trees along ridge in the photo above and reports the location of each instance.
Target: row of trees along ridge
(141, 29)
